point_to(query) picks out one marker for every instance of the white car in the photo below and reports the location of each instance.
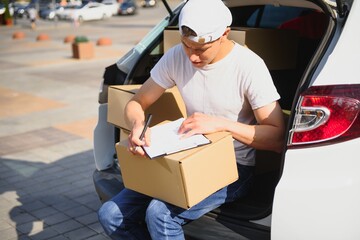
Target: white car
(85, 12)
(113, 6)
(312, 189)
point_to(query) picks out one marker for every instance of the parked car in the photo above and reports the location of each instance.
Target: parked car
(85, 12)
(50, 13)
(128, 7)
(148, 3)
(312, 189)
(20, 10)
(113, 6)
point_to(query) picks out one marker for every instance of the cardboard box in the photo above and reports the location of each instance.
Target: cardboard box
(278, 48)
(169, 106)
(184, 178)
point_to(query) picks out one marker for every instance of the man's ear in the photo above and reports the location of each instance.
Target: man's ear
(227, 31)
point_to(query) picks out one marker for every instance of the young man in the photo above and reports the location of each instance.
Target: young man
(225, 87)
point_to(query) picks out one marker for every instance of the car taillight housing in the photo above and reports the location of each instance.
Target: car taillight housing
(326, 114)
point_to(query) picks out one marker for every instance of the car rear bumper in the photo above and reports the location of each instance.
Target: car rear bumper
(107, 183)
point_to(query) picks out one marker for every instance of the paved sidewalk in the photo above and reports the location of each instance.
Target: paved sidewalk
(47, 112)
(48, 109)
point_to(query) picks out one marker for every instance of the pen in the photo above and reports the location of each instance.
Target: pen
(146, 125)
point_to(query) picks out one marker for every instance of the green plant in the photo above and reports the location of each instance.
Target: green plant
(7, 14)
(81, 39)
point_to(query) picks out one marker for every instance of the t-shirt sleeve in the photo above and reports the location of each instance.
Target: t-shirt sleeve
(162, 72)
(261, 90)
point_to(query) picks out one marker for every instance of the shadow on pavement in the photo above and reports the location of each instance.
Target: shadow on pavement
(52, 199)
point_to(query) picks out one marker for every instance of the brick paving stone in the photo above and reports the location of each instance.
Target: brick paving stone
(67, 226)
(52, 169)
(29, 199)
(4, 203)
(7, 234)
(31, 103)
(98, 237)
(71, 176)
(89, 198)
(32, 206)
(21, 178)
(66, 204)
(26, 184)
(94, 205)
(44, 212)
(59, 237)
(75, 192)
(78, 211)
(87, 219)
(45, 234)
(56, 218)
(4, 225)
(30, 228)
(37, 138)
(58, 190)
(96, 227)
(23, 218)
(81, 233)
(5, 213)
(21, 237)
(51, 200)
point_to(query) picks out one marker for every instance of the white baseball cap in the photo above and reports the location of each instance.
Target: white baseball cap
(207, 18)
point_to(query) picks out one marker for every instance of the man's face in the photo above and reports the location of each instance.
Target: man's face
(201, 54)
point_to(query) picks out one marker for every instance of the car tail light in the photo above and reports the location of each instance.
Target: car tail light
(326, 113)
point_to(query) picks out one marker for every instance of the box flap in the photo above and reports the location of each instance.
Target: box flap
(169, 106)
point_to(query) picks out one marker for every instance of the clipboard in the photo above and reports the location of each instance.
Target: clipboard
(165, 140)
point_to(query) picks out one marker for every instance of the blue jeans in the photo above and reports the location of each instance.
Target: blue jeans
(123, 216)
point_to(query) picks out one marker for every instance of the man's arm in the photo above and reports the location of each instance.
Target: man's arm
(134, 112)
(267, 135)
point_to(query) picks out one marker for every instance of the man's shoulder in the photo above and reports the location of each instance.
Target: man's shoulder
(177, 49)
(246, 53)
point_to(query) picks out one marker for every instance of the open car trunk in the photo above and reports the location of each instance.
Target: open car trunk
(301, 31)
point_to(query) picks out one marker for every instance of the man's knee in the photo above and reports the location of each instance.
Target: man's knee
(109, 216)
(156, 209)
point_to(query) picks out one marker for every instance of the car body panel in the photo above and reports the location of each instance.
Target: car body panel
(319, 191)
(342, 61)
(103, 145)
(50, 13)
(112, 5)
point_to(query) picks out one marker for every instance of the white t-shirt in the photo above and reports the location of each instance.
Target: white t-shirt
(229, 88)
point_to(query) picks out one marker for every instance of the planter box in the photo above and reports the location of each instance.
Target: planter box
(83, 50)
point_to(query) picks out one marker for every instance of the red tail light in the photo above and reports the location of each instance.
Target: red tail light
(326, 113)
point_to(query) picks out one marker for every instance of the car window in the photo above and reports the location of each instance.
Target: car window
(271, 16)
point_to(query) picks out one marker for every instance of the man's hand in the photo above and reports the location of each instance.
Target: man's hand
(134, 141)
(200, 123)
